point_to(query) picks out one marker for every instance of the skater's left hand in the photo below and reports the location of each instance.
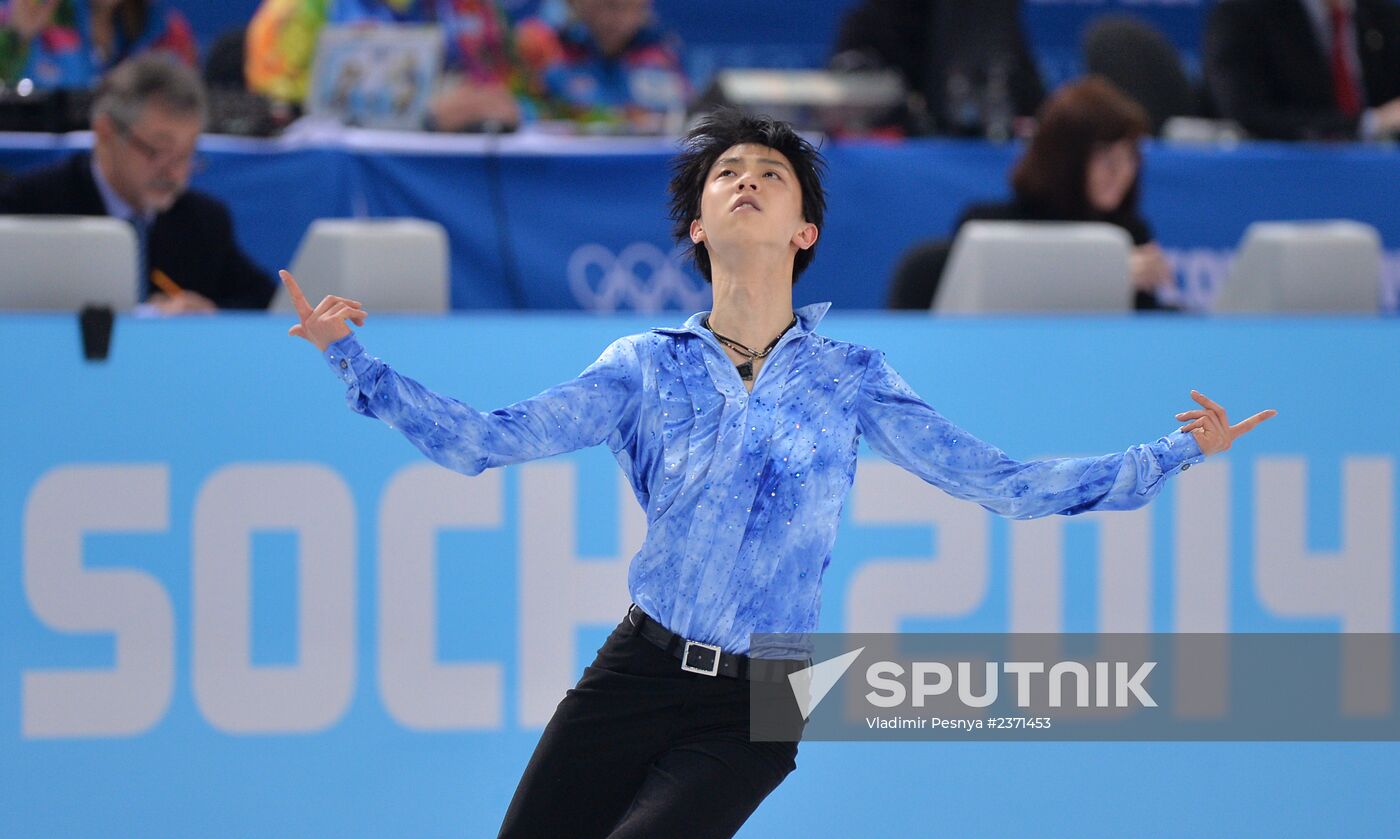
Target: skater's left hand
(1212, 430)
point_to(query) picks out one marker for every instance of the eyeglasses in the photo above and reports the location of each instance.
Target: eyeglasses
(161, 158)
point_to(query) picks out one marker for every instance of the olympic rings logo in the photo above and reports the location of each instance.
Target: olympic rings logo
(640, 278)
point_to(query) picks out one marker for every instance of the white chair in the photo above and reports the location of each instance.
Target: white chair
(390, 265)
(1330, 266)
(1017, 267)
(63, 263)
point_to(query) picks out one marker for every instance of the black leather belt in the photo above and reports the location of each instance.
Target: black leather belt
(708, 659)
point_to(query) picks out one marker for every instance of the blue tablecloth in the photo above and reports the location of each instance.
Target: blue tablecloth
(568, 223)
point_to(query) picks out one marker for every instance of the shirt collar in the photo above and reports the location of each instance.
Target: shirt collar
(807, 319)
(115, 206)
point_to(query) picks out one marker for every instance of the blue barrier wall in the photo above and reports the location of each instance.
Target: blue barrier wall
(539, 223)
(230, 607)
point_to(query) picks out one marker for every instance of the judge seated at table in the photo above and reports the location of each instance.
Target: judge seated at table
(1083, 165)
(146, 120)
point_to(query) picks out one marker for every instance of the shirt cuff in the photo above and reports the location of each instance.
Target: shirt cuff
(348, 360)
(1182, 453)
(1367, 127)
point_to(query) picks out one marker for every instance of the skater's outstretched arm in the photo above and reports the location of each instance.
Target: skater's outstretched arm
(599, 405)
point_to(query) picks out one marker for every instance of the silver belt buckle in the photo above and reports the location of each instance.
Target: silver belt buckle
(685, 659)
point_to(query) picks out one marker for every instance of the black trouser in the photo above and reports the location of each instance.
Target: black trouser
(641, 748)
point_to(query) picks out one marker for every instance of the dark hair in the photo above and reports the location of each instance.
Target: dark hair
(1077, 119)
(720, 131)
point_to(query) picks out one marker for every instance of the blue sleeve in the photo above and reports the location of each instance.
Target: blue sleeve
(599, 405)
(906, 431)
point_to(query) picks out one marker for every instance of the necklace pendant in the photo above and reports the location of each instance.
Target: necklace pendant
(745, 370)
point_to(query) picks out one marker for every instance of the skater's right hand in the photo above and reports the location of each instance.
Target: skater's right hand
(325, 324)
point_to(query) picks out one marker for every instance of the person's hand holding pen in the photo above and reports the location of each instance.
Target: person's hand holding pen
(174, 300)
(325, 324)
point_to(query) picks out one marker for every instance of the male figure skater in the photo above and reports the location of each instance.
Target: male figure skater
(738, 431)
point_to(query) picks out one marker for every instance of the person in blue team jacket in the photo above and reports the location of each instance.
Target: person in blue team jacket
(738, 431)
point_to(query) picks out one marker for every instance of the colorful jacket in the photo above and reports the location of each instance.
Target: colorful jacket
(572, 79)
(64, 56)
(282, 38)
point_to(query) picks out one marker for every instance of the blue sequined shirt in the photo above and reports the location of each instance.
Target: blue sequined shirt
(743, 491)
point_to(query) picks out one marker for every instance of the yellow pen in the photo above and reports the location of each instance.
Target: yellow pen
(164, 283)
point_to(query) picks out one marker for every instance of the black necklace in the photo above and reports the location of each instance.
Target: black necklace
(746, 368)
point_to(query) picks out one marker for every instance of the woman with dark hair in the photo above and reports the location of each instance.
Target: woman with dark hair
(73, 43)
(1084, 164)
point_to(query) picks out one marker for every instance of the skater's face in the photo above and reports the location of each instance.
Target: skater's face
(752, 196)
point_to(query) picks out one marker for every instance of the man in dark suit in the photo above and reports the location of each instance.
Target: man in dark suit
(1306, 69)
(146, 121)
